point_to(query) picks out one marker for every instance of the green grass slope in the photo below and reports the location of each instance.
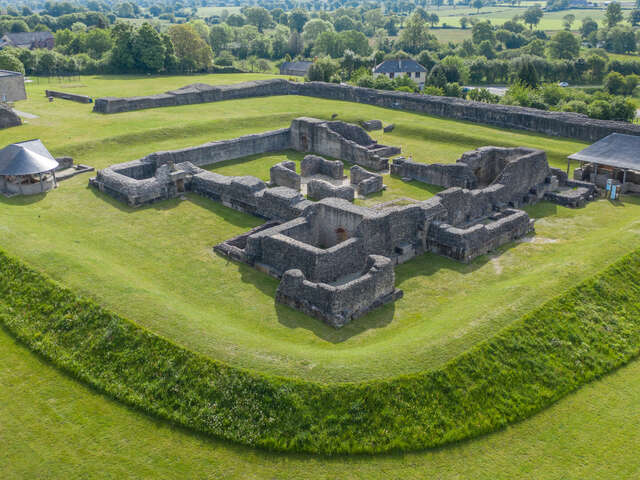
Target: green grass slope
(584, 333)
(155, 265)
(56, 428)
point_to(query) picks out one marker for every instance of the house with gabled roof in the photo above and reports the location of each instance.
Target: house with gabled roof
(399, 68)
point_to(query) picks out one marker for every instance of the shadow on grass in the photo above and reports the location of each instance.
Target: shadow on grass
(22, 200)
(233, 217)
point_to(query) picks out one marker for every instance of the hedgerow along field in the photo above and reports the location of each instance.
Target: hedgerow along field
(441, 143)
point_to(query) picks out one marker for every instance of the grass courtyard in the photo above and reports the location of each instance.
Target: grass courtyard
(154, 265)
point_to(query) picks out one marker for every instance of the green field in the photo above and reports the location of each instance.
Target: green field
(154, 265)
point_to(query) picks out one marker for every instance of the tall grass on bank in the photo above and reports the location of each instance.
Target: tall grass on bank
(572, 339)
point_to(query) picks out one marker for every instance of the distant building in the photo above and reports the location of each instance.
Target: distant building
(401, 67)
(12, 86)
(296, 69)
(28, 40)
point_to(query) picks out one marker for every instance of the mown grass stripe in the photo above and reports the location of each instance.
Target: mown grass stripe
(583, 334)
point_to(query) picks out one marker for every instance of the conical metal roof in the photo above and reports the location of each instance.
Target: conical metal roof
(26, 158)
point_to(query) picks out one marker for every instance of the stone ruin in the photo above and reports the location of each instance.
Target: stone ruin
(364, 181)
(335, 259)
(511, 176)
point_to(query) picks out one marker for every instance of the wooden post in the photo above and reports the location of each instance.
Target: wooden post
(568, 165)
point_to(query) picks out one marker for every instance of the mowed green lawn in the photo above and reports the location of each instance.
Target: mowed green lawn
(155, 264)
(55, 428)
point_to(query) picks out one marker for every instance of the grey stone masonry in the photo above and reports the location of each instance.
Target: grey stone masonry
(338, 304)
(319, 189)
(315, 165)
(364, 181)
(445, 175)
(370, 125)
(284, 174)
(345, 141)
(68, 96)
(563, 124)
(8, 118)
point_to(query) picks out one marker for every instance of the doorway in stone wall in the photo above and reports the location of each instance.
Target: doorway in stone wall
(341, 235)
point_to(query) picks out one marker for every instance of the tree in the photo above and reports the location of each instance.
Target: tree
(568, 20)
(193, 53)
(10, 62)
(433, 19)
(486, 50)
(614, 83)
(564, 45)
(148, 49)
(235, 20)
(98, 42)
(322, 70)
(477, 4)
(525, 72)
(414, 37)
(532, 16)
(343, 23)
(297, 19)
(464, 22)
(122, 59)
(313, 28)
(219, 36)
(613, 15)
(330, 44)
(620, 40)
(482, 31)
(634, 17)
(354, 41)
(588, 26)
(258, 16)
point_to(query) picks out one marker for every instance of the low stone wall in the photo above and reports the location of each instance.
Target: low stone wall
(365, 182)
(337, 305)
(347, 142)
(319, 189)
(315, 165)
(284, 174)
(68, 96)
(444, 175)
(465, 244)
(223, 150)
(563, 124)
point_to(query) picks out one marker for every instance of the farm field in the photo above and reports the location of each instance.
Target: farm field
(154, 265)
(500, 14)
(121, 256)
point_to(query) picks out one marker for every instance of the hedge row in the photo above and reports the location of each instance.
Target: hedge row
(574, 338)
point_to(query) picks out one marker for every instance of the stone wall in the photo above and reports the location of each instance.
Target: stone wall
(68, 96)
(364, 181)
(8, 118)
(445, 175)
(337, 305)
(223, 150)
(349, 143)
(563, 124)
(319, 189)
(315, 165)
(465, 244)
(284, 174)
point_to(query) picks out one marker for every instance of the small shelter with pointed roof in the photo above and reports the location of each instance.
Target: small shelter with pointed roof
(615, 157)
(27, 168)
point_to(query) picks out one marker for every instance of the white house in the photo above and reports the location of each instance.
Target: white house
(400, 67)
